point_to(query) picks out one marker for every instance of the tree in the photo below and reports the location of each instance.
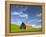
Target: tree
(23, 26)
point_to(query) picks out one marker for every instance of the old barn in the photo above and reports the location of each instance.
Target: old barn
(26, 26)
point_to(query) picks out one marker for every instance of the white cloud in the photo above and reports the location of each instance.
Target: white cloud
(22, 8)
(24, 15)
(21, 14)
(36, 26)
(16, 21)
(33, 20)
(16, 13)
(38, 14)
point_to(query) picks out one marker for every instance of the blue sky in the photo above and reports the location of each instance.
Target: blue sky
(27, 14)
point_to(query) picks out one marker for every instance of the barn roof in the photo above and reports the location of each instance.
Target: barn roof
(28, 25)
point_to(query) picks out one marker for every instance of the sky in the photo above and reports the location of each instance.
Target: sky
(28, 14)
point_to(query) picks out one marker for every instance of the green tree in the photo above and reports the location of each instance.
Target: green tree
(23, 26)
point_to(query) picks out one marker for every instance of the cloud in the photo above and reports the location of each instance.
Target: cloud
(16, 13)
(16, 21)
(20, 14)
(31, 21)
(36, 26)
(34, 21)
(24, 15)
(38, 15)
(21, 8)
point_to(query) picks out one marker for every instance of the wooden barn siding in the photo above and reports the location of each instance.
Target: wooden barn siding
(28, 27)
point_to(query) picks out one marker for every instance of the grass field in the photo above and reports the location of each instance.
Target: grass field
(16, 28)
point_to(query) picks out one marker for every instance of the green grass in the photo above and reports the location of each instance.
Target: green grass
(36, 30)
(16, 28)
